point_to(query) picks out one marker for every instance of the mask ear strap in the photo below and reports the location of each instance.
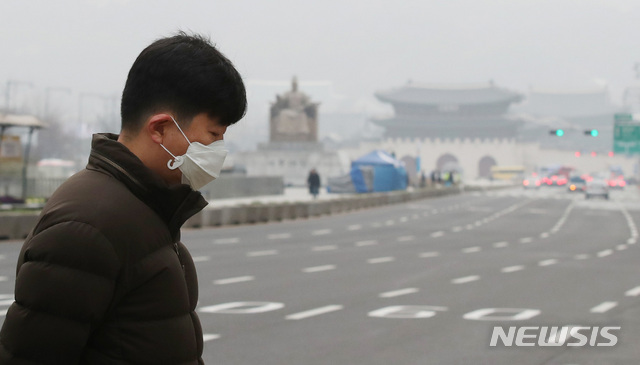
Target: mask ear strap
(180, 129)
(177, 161)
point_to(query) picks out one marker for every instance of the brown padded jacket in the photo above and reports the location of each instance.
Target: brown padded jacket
(103, 278)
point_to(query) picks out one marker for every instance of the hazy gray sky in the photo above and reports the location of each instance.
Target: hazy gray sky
(360, 45)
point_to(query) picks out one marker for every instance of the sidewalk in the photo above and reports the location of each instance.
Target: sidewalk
(292, 194)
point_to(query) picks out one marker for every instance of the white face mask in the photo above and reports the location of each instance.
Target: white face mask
(201, 164)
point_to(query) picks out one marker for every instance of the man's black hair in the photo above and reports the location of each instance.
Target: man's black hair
(186, 75)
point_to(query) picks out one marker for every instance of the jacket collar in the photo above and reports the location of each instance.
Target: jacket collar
(174, 204)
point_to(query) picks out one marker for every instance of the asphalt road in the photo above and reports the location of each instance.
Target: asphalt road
(424, 282)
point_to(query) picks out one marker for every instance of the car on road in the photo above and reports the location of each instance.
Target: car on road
(532, 182)
(576, 184)
(617, 182)
(597, 188)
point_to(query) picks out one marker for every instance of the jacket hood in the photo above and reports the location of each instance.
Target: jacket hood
(174, 204)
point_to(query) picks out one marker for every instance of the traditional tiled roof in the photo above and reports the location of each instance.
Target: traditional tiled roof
(449, 94)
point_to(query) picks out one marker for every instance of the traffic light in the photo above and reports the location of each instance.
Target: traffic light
(591, 132)
(557, 132)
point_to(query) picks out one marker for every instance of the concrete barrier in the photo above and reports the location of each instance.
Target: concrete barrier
(18, 225)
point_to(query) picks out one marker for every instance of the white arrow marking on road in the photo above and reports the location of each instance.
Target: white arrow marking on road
(238, 279)
(429, 254)
(209, 337)
(633, 292)
(201, 258)
(437, 234)
(226, 241)
(501, 244)
(319, 268)
(605, 253)
(397, 293)
(314, 312)
(604, 307)
(321, 232)
(406, 238)
(262, 253)
(526, 240)
(548, 262)
(354, 227)
(279, 236)
(472, 249)
(465, 279)
(325, 248)
(514, 268)
(366, 243)
(380, 260)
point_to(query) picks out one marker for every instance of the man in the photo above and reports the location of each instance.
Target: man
(313, 180)
(103, 277)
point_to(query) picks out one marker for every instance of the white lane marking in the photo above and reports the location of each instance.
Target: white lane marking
(321, 232)
(325, 248)
(429, 254)
(605, 253)
(544, 235)
(319, 268)
(195, 259)
(633, 292)
(390, 222)
(631, 241)
(472, 249)
(404, 219)
(437, 234)
(262, 253)
(366, 243)
(279, 236)
(354, 227)
(563, 218)
(514, 268)
(526, 240)
(209, 337)
(501, 244)
(548, 262)
(226, 241)
(465, 279)
(237, 279)
(406, 238)
(621, 247)
(469, 226)
(434, 211)
(603, 307)
(456, 229)
(415, 216)
(314, 312)
(376, 225)
(397, 293)
(582, 256)
(379, 260)
(478, 223)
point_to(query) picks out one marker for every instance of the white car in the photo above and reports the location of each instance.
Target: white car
(597, 188)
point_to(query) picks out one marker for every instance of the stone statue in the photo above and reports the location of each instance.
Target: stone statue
(294, 117)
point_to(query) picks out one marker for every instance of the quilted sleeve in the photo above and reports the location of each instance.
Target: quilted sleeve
(65, 282)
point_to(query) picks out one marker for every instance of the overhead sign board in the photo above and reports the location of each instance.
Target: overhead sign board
(626, 134)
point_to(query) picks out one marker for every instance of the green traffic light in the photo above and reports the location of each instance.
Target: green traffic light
(559, 132)
(594, 133)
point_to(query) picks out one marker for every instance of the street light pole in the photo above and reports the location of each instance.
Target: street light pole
(8, 89)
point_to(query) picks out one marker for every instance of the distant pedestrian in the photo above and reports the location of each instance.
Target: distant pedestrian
(423, 180)
(314, 183)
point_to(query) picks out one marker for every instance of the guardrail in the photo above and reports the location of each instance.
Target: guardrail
(16, 225)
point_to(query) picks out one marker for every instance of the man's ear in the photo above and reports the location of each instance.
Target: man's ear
(157, 125)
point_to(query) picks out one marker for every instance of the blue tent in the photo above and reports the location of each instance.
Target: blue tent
(388, 173)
